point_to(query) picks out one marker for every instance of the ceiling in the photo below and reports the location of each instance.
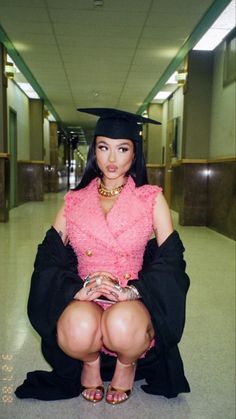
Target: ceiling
(83, 55)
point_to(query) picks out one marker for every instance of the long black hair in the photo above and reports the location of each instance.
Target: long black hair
(137, 171)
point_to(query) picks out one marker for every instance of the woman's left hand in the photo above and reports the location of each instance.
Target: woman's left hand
(127, 293)
(114, 292)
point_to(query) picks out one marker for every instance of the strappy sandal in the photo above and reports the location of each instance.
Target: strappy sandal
(112, 390)
(125, 393)
(99, 390)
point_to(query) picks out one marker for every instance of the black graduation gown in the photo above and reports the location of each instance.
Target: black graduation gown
(162, 284)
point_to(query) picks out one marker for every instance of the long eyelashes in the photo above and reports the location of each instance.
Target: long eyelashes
(104, 148)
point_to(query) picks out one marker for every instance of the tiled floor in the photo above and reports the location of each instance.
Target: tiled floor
(207, 346)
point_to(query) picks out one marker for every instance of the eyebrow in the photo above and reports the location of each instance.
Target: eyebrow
(119, 145)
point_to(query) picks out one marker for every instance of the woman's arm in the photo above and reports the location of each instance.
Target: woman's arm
(162, 221)
(60, 225)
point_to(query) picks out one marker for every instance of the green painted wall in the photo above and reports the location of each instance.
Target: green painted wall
(154, 135)
(197, 106)
(223, 113)
(36, 129)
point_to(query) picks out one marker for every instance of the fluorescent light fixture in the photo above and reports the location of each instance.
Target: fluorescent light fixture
(98, 3)
(51, 117)
(28, 90)
(162, 95)
(26, 87)
(10, 60)
(172, 79)
(220, 28)
(9, 70)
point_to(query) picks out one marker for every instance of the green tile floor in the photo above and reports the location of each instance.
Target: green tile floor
(207, 347)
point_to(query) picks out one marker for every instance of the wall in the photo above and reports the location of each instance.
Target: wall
(197, 105)
(154, 141)
(29, 178)
(222, 137)
(19, 102)
(221, 210)
(36, 129)
(221, 187)
(204, 182)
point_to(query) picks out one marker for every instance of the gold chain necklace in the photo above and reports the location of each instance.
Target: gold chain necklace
(108, 193)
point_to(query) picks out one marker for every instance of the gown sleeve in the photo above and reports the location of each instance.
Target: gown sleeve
(54, 283)
(163, 285)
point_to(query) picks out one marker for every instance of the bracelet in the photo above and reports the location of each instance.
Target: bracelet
(133, 293)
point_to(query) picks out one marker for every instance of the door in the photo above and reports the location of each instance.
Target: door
(168, 166)
(13, 157)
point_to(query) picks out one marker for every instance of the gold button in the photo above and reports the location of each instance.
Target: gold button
(89, 252)
(127, 276)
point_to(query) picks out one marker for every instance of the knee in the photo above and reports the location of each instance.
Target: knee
(77, 329)
(120, 327)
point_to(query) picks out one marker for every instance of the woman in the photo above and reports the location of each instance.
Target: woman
(88, 326)
(102, 293)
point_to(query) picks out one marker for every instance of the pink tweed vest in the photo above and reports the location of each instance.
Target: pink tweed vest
(116, 242)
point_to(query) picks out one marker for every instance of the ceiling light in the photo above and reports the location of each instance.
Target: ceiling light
(95, 93)
(28, 90)
(9, 70)
(218, 31)
(172, 79)
(162, 95)
(10, 60)
(181, 77)
(98, 3)
(51, 117)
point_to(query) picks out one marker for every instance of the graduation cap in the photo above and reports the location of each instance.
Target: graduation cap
(118, 124)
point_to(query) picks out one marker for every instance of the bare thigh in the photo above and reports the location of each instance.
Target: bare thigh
(79, 329)
(127, 328)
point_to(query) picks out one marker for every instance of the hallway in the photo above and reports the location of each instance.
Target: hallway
(207, 347)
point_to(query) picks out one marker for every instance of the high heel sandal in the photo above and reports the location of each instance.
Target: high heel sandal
(126, 393)
(111, 389)
(98, 390)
